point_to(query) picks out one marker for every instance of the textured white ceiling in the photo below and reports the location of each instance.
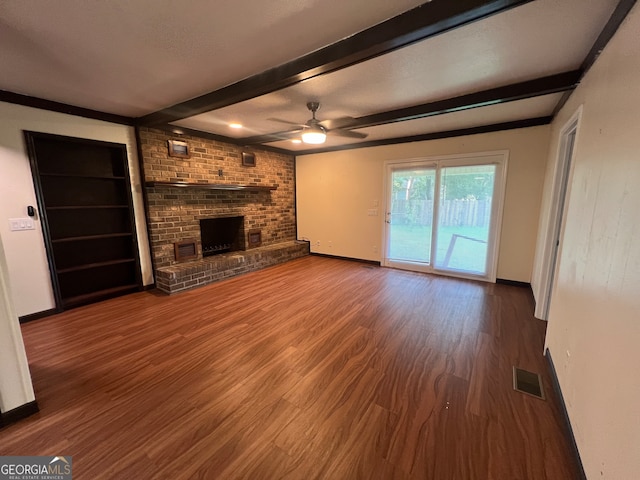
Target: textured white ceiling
(135, 57)
(535, 40)
(132, 57)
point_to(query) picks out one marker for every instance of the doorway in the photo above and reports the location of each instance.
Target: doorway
(556, 216)
(443, 214)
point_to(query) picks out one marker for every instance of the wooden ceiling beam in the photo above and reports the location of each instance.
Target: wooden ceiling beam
(496, 127)
(427, 20)
(617, 17)
(518, 91)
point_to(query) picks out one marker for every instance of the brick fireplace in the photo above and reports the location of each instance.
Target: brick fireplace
(175, 214)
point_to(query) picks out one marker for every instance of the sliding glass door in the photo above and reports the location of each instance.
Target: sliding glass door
(443, 214)
(410, 216)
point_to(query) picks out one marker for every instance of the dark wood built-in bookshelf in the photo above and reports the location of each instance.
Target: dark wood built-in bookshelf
(86, 209)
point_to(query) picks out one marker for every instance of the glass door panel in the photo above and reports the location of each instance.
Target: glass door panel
(410, 218)
(464, 219)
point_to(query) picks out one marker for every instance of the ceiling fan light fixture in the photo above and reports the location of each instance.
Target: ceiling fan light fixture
(314, 135)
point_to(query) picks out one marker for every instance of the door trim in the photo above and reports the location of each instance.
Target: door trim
(555, 226)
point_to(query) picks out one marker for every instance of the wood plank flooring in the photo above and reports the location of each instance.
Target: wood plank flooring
(315, 369)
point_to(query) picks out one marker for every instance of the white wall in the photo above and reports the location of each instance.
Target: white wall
(595, 307)
(15, 381)
(335, 190)
(25, 250)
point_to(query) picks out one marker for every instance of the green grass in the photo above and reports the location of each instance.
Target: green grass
(413, 243)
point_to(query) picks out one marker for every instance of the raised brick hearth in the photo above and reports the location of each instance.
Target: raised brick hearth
(174, 213)
(210, 269)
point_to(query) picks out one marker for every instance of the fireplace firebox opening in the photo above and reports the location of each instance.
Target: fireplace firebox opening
(221, 235)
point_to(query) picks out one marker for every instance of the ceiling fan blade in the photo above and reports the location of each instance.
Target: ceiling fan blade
(272, 137)
(280, 120)
(341, 122)
(338, 127)
(347, 133)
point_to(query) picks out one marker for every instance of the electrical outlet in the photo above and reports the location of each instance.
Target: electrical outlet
(317, 243)
(375, 249)
(330, 244)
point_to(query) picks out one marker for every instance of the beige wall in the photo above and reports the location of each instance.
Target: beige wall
(25, 251)
(594, 320)
(335, 190)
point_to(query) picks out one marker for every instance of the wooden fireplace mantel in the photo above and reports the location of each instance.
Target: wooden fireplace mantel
(214, 186)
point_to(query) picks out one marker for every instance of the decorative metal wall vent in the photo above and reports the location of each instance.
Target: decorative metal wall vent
(185, 250)
(527, 382)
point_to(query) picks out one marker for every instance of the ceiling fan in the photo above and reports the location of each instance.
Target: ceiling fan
(315, 132)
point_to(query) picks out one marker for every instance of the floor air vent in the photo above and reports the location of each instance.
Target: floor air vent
(527, 382)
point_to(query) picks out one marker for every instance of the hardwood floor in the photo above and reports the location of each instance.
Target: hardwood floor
(318, 368)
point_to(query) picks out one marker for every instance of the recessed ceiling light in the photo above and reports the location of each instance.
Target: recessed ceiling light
(296, 140)
(235, 125)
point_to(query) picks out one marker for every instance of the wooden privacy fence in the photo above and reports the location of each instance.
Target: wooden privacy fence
(453, 213)
(471, 213)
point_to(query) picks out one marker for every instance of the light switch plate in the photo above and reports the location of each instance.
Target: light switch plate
(18, 224)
